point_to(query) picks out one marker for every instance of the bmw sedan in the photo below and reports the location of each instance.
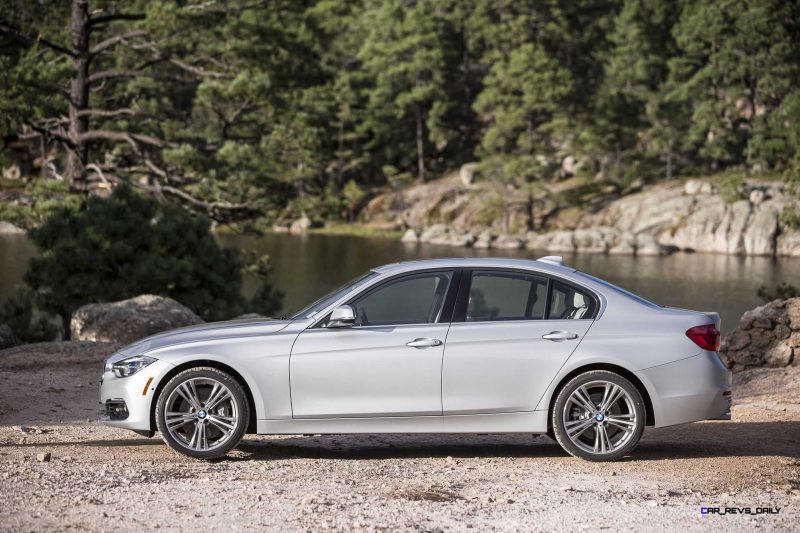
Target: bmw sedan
(434, 346)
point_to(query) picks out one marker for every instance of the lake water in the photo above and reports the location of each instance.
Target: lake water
(307, 266)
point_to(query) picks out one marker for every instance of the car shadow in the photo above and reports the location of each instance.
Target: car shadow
(704, 440)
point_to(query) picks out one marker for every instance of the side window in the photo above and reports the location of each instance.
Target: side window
(567, 302)
(415, 299)
(506, 296)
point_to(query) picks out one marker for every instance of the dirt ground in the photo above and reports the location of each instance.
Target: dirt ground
(99, 478)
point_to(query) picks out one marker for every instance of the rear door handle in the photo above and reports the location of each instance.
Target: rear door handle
(560, 336)
(424, 343)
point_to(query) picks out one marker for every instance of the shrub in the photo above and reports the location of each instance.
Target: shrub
(128, 244)
(20, 314)
(781, 292)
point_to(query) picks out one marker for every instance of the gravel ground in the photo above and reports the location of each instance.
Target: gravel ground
(98, 478)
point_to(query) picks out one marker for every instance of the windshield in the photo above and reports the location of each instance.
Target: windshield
(328, 299)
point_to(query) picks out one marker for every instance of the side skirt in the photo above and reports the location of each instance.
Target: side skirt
(522, 422)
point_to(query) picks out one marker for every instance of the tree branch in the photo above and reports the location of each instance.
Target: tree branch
(107, 112)
(105, 135)
(115, 40)
(102, 19)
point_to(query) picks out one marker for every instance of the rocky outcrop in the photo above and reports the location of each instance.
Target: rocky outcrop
(768, 335)
(129, 320)
(691, 216)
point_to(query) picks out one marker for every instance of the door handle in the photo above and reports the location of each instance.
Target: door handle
(560, 336)
(424, 343)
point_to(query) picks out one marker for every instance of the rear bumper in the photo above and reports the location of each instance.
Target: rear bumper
(688, 390)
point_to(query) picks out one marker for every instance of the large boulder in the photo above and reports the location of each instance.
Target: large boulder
(768, 335)
(129, 320)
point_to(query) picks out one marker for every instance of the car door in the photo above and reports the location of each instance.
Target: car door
(511, 332)
(389, 363)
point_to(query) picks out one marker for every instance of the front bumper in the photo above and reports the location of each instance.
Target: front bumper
(127, 401)
(688, 390)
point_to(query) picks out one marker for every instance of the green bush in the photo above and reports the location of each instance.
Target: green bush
(20, 314)
(731, 186)
(781, 292)
(128, 244)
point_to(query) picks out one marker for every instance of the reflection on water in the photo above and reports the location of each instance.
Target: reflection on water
(15, 250)
(307, 266)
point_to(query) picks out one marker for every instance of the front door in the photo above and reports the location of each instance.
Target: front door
(507, 342)
(388, 364)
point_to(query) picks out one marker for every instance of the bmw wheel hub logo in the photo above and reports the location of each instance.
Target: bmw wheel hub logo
(201, 414)
(599, 417)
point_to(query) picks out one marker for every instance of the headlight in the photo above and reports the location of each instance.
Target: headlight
(130, 366)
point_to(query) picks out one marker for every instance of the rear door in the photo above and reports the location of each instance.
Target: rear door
(511, 332)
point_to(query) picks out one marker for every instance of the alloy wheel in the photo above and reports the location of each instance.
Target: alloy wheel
(600, 417)
(201, 414)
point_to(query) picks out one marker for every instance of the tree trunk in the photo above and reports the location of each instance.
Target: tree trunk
(669, 160)
(420, 146)
(79, 96)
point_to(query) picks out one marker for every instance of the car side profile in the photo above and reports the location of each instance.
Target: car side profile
(477, 345)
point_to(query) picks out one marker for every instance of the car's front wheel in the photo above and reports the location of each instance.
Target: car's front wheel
(599, 416)
(202, 412)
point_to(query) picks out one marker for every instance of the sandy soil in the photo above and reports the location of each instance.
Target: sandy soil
(99, 478)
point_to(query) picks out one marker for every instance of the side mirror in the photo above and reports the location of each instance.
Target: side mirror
(343, 316)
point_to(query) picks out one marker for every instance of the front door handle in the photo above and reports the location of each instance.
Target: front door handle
(424, 343)
(560, 336)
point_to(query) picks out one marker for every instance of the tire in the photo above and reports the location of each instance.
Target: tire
(606, 432)
(208, 413)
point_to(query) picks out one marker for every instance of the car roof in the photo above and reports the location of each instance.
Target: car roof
(540, 265)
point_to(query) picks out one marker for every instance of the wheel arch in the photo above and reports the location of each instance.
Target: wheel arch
(650, 419)
(251, 423)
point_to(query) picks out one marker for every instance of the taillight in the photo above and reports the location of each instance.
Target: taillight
(707, 337)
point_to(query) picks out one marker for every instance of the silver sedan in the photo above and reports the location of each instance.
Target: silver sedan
(435, 346)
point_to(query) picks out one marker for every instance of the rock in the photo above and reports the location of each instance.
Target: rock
(467, 173)
(626, 245)
(43, 457)
(508, 242)
(765, 336)
(792, 308)
(129, 320)
(410, 236)
(570, 166)
(7, 337)
(779, 355)
(538, 241)
(757, 196)
(762, 228)
(595, 240)
(647, 245)
(561, 241)
(433, 233)
(300, 225)
(484, 240)
(7, 228)
(692, 187)
(459, 239)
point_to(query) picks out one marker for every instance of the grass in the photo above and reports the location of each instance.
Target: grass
(356, 230)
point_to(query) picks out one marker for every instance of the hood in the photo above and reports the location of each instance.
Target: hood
(200, 332)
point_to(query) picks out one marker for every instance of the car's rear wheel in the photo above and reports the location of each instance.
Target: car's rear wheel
(202, 412)
(599, 416)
